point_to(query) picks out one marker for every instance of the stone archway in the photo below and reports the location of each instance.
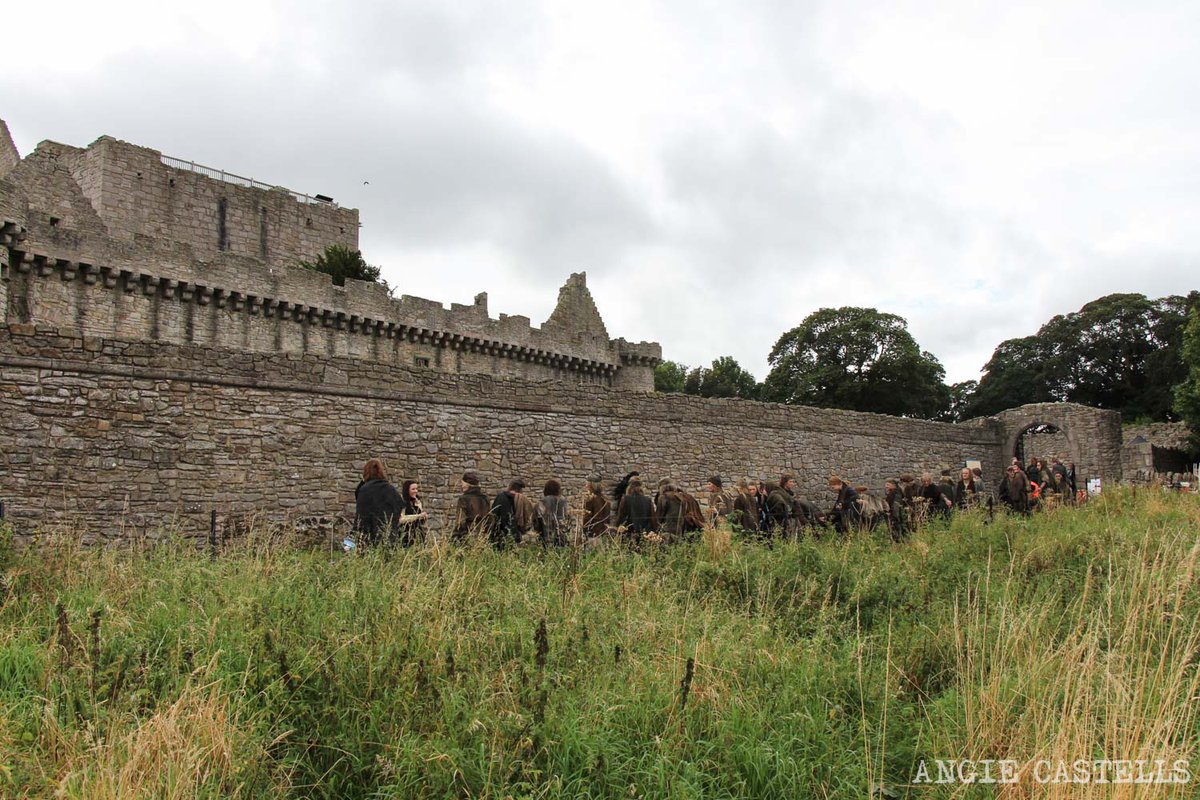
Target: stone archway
(1092, 435)
(1042, 440)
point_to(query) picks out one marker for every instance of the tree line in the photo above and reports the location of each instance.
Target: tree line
(1125, 352)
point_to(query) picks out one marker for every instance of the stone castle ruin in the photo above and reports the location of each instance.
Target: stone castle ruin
(161, 356)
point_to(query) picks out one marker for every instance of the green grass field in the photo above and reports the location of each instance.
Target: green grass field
(822, 669)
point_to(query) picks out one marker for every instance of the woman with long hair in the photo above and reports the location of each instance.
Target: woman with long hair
(377, 505)
(414, 519)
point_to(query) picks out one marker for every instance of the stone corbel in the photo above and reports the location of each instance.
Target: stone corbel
(220, 297)
(26, 263)
(186, 291)
(237, 301)
(45, 266)
(150, 285)
(203, 295)
(90, 273)
(70, 270)
(109, 277)
(168, 286)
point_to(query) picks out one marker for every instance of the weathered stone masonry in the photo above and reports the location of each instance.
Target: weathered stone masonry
(111, 241)
(160, 357)
(104, 432)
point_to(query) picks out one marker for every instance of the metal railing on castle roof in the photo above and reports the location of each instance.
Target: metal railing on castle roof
(239, 180)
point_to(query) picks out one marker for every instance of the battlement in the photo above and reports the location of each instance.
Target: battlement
(93, 242)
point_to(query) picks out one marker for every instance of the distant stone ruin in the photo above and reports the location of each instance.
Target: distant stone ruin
(162, 357)
(118, 240)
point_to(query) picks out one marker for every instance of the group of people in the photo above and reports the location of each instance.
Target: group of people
(637, 513)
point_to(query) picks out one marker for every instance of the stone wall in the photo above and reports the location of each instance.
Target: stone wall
(1155, 449)
(290, 310)
(9, 156)
(115, 242)
(136, 195)
(124, 435)
(1046, 446)
(1092, 436)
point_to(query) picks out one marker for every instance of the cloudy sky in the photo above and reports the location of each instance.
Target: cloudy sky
(720, 170)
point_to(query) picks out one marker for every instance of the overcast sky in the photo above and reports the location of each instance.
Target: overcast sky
(720, 170)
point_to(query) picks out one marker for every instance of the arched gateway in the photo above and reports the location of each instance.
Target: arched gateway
(1091, 437)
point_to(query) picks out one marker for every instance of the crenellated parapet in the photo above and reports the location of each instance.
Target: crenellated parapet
(118, 240)
(104, 299)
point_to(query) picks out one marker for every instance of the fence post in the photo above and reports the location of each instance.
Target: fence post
(212, 536)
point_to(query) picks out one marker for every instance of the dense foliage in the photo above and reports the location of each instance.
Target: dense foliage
(340, 262)
(816, 669)
(1121, 351)
(670, 376)
(725, 378)
(1187, 393)
(859, 359)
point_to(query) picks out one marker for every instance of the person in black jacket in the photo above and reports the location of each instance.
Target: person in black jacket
(504, 516)
(939, 503)
(845, 513)
(636, 515)
(377, 506)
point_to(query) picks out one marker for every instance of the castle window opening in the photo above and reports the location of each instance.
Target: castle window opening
(419, 361)
(222, 229)
(54, 222)
(262, 234)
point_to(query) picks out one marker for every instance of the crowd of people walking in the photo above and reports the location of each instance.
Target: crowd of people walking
(637, 513)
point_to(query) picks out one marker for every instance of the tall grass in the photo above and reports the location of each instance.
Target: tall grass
(723, 668)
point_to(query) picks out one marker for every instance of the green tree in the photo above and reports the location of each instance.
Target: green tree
(859, 359)
(725, 378)
(340, 262)
(961, 395)
(670, 376)
(1120, 351)
(1187, 393)
(1014, 376)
